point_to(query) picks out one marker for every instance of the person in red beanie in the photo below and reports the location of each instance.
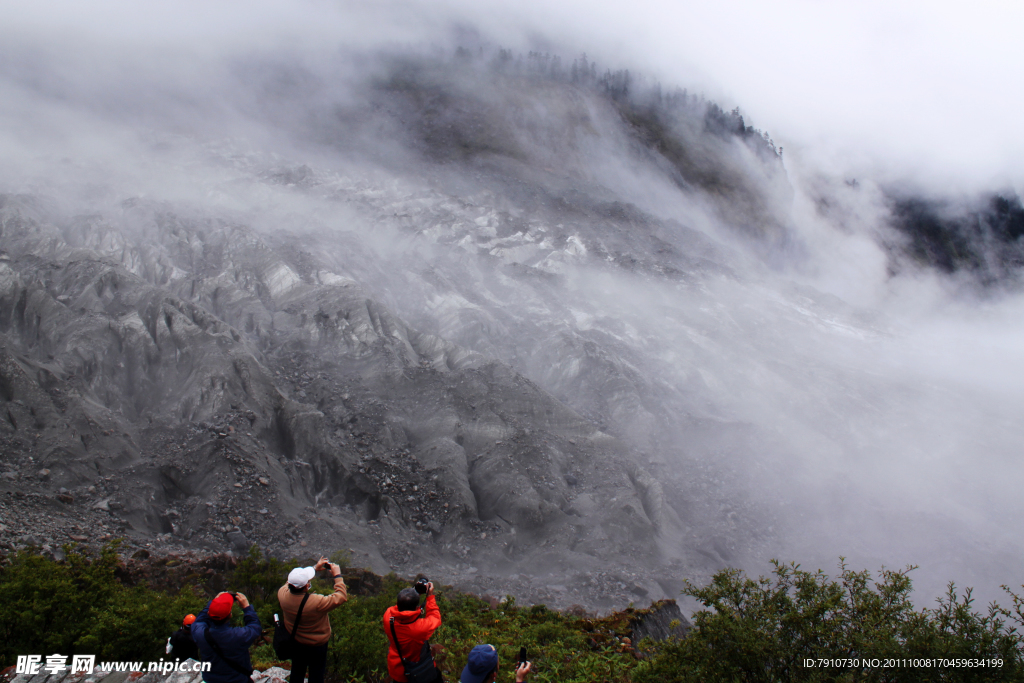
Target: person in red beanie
(412, 630)
(226, 647)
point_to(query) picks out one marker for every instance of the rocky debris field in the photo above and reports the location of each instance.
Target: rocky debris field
(167, 562)
(436, 386)
(249, 403)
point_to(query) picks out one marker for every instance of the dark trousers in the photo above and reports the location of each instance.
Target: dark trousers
(313, 657)
(437, 677)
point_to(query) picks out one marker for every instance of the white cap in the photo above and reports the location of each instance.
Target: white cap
(300, 576)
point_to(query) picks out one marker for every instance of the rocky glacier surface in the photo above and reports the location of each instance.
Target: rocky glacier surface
(524, 332)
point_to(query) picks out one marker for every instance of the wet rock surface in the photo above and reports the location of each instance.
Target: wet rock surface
(441, 377)
(662, 621)
(192, 389)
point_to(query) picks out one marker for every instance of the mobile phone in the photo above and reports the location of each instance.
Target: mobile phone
(522, 657)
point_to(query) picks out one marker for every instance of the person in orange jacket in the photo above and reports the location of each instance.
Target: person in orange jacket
(413, 631)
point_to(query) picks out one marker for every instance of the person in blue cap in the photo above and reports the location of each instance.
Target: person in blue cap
(482, 666)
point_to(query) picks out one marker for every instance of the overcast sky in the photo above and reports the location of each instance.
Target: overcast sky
(930, 89)
(904, 88)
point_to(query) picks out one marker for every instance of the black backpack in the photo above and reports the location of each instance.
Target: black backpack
(422, 671)
(182, 645)
(284, 642)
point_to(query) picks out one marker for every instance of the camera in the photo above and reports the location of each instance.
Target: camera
(421, 585)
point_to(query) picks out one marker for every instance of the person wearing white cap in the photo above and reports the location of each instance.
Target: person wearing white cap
(314, 628)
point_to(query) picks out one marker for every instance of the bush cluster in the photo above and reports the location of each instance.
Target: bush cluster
(78, 606)
(752, 630)
(563, 648)
(766, 629)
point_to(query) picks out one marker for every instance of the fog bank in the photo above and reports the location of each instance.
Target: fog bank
(745, 324)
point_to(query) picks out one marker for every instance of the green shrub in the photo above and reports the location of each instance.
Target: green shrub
(752, 630)
(561, 647)
(137, 624)
(259, 578)
(78, 607)
(342, 558)
(47, 608)
(766, 629)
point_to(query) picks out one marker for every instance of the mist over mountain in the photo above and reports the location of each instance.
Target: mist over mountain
(519, 321)
(981, 237)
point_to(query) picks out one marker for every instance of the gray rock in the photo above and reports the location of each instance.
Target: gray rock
(183, 676)
(215, 325)
(116, 677)
(274, 674)
(149, 677)
(238, 541)
(663, 620)
(96, 676)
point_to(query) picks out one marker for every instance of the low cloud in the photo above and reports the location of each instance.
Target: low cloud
(873, 415)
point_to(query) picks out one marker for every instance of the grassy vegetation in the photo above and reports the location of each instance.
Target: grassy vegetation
(766, 629)
(751, 630)
(78, 606)
(563, 648)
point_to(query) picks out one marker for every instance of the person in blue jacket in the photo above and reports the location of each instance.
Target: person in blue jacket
(226, 647)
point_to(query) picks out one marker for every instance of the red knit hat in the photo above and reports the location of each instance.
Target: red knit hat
(220, 607)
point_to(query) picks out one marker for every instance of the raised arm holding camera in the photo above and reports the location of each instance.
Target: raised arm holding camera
(310, 637)
(408, 631)
(482, 666)
(226, 647)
